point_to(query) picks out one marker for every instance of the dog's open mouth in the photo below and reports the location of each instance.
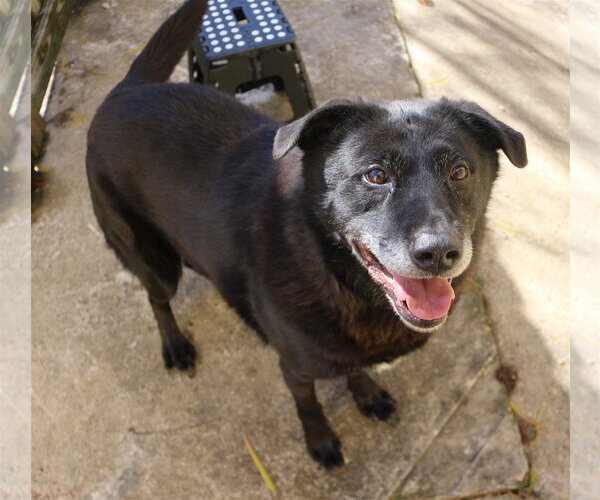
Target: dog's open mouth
(422, 304)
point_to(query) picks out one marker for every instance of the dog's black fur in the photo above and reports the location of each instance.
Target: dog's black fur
(183, 174)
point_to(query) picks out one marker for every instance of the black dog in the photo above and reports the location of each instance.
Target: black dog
(335, 237)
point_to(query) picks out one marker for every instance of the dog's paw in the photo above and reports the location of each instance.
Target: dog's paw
(181, 355)
(378, 404)
(326, 451)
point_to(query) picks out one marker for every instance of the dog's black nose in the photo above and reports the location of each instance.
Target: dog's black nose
(435, 253)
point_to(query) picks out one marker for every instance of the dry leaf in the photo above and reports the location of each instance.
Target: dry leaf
(438, 80)
(510, 229)
(136, 49)
(264, 473)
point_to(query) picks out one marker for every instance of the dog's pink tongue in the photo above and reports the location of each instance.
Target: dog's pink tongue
(427, 298)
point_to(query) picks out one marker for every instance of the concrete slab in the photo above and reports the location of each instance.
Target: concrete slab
(15, 315)
(585, 249)
(109, 422)
(475, 452)
(513, 59)
(352, 49)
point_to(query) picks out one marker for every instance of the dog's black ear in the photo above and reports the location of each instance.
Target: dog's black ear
(494, 132)
(316, 123)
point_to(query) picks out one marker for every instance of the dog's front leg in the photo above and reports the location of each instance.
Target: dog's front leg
(323, 445)
(371, 399)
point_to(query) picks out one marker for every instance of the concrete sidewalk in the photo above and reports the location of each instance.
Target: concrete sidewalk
(585, 248)
(513, 59)
(109, 422)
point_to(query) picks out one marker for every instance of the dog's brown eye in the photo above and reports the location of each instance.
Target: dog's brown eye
(376, 176)
(459, 172)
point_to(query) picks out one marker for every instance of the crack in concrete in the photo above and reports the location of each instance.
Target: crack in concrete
(449, 418)
(479, 451)
(135, 432)
(488, 321)
(487, 316)
(405, 43)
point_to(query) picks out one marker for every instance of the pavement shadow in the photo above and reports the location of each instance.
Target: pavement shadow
(539, 397)
(512, 35)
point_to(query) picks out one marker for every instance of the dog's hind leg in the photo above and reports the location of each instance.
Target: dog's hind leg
(177, 351)
(146, 253)
(371, 399)
(159, 269)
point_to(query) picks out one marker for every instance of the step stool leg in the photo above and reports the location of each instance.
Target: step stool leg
(288, 66)
(237, 71)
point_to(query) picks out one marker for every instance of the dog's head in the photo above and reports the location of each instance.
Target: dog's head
(405, 185)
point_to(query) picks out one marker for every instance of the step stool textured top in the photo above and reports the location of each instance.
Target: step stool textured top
(233, 26)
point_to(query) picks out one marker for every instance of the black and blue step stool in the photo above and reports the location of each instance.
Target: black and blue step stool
(244, 44)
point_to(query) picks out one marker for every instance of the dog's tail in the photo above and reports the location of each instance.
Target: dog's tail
(166, 47)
